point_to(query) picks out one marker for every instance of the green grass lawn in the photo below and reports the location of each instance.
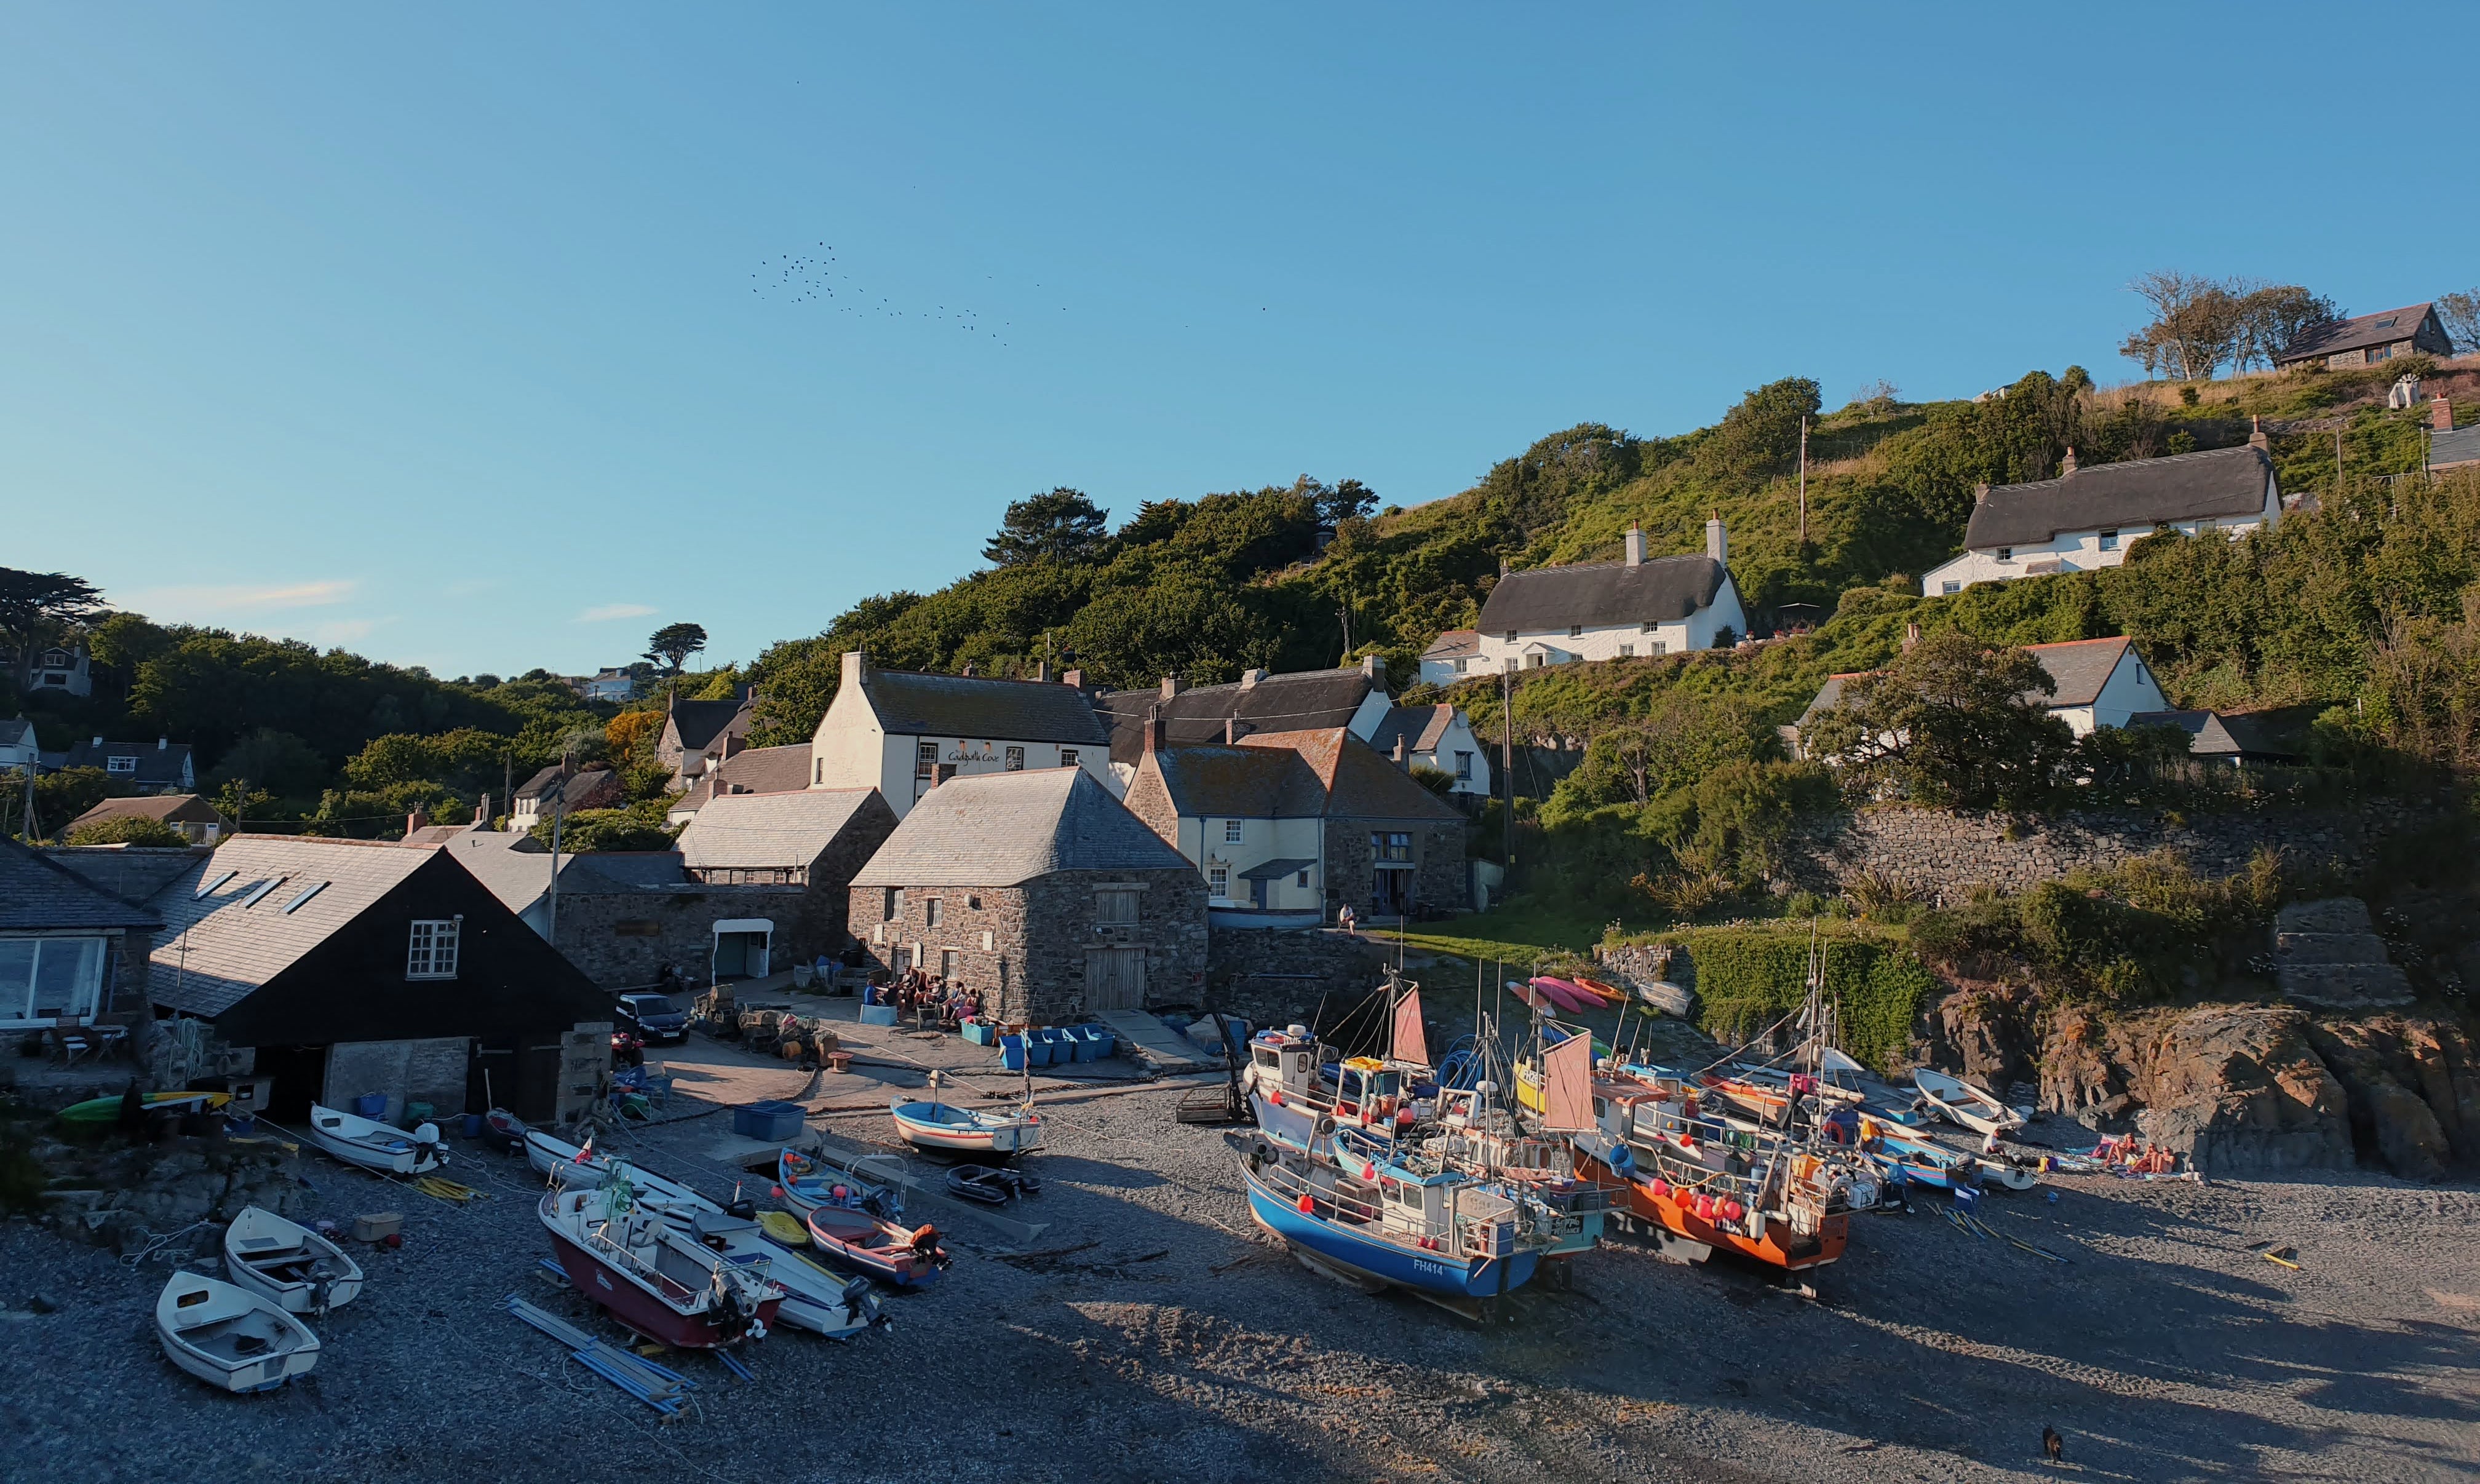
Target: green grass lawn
(1523, 933)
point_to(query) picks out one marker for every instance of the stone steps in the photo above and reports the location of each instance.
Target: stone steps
(2344, 986)
(2307, 948)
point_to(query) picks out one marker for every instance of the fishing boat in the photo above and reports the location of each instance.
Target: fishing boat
(897, 1256)
(805, 1183)
(816, 1300)
(652, 1275)
(229, 1336)
(944, 1128)
(105, 1110)
(1435, 1233)
(1917, 1160)
(302, 1271)
(376, 1145)
(575, 1165)
(1966, 1104)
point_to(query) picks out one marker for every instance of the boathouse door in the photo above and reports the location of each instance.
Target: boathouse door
(1115, 979)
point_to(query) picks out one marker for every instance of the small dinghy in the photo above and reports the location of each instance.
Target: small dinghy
(1917, 1160)
(944, 1128)
(1966, 1104)
(989, 1185)
(806, 1183)
(229, 1336)
(816, 1300)
(302, 1271)
(374, 1145)
(506, 1125)
(900, 1257)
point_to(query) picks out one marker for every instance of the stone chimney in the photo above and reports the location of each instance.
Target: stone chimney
(1154, 727)
(1634, 544)
(2441, 415)
(1403, 753)
(1911, 636)
(1249, 679)
(98, 741)
(972, 670)
(1231, 731)
(856, 666)
(415, 823)
(2067, 465)
(2256, 437)
(1042, 671)
(483, 812)
(1717, 547)
(1074, 680)
(1374, 667)
(1981, 492)
(1172, 685)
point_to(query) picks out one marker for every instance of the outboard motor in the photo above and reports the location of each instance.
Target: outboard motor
(742, 1210)
(426, 1145)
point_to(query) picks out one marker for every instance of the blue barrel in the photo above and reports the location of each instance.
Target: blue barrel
(473, 1125)
(370, 1105)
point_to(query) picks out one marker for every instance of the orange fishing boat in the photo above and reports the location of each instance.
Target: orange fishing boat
(1694, 1186)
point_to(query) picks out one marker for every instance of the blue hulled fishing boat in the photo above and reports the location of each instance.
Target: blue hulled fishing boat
(1436, 1234)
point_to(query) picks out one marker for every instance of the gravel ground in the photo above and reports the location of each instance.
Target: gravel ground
(1179, 1346)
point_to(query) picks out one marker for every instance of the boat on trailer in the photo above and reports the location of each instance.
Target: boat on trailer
(299, 1271)
(653, 1277)
(374, 1145)
(229, 1336)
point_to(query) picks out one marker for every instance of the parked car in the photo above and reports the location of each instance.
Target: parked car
(655, 1017)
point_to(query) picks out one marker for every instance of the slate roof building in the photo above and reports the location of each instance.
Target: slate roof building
(1040, 891)
(19, 746)
(905, 733)
(2368, 340)
(755, 770)
(1633, 608)
(342, 968)
(60, 669)
(2101, 682)
(1353, 698)
(192, 816)
(2085, 519)
(161, 766)
(70, 951)
(2239, 737)
(698, 734)
(557, 788)
(813, 841)
(2450, 448)
(1286, 828)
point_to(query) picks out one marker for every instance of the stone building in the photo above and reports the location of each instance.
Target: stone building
(905, 733)
(698, 734)
(1040, 891)
(815, 840)
(1287, 827)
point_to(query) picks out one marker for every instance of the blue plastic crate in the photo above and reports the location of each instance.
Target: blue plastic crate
(878, 1014)
(770, 1122)
(981, 1033)
(1106, 1041)
(1081, 1042)
(1012, 1053)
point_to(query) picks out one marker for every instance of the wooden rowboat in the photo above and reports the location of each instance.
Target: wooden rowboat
(944, 1128)
(283, 1261)
(900, 1257)
(1966, 1104)
(229, 1336)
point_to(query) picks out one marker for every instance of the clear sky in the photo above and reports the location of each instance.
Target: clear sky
(488, 337)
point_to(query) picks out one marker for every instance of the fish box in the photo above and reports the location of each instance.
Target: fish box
(981, 1033)
(1104, 1041)
(1012, 1053)
(1080, 1043)
(769, 1123)
(378, 1226)
(878, 1014)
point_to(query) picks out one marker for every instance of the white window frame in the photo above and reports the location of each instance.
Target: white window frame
(930, 912)
(433, 947)
(1218, 880)
(119, 764)
(1459, 666)
(1068, 757)
(2005, 553)
(1233, 832)
(1015, 759)
(17, 999)
(1627, 651)
(2109, 541)
(1947, 587)
(925, 761)
(1463, 767)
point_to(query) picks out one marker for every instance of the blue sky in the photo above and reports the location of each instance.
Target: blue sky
(492, 337)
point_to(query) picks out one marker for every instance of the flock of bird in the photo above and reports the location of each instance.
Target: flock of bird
(815, 277)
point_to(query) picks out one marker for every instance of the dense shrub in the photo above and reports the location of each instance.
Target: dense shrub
(1748, 978)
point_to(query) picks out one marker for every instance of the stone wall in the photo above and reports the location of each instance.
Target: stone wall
(1440, 876)
(1940, 857)
(1269, 977)
(621, 940)
(430, 1070)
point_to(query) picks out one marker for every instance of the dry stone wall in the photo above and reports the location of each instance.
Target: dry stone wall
(1941, 856)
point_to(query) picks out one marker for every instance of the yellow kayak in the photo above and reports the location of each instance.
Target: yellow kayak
(783, 1228)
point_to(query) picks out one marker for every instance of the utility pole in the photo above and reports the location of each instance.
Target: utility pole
(1803, 481)
(559, 812)
(1507, 764)
(1343, 612)
(508, 781)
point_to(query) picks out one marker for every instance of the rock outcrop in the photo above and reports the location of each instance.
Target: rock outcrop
(1986, 1030)
(2239, 1089)
(121, 1197)
(2328, 955)
(2415, 1092)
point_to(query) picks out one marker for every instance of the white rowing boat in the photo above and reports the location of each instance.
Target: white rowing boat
(373, 1145)
(229, 1336)
(284, 1261)
(1965, 1104)
(574, 1167)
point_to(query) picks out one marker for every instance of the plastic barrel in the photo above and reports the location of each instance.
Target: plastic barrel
(370, 1105)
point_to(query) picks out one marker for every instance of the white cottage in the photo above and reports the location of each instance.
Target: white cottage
(905, 733)
(2100, 682)
(1628, 610)
(2086, 518)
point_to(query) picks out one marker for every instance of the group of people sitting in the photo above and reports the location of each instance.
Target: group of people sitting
(951, 1005)
(2123, 1151)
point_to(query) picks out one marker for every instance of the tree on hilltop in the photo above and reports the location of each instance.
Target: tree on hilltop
(672, 645)
(1060, 526)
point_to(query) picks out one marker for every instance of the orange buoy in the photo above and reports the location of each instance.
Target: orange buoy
(1661, 1187)
(1733, 1211)
(1308, 1207)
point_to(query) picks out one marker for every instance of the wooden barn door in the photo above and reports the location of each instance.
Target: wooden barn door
(1115, 979)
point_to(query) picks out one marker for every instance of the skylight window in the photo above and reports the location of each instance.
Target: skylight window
(262, 889)
(207, 887)
(307, 892)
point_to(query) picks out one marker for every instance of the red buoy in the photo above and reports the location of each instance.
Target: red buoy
(1705, 1206)
(775, 1191)
(1661, 1187)
(1308, 1207)
(1733, 1211)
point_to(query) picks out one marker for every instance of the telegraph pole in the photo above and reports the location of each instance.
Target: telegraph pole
(1803, 481)
(1506, 761)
